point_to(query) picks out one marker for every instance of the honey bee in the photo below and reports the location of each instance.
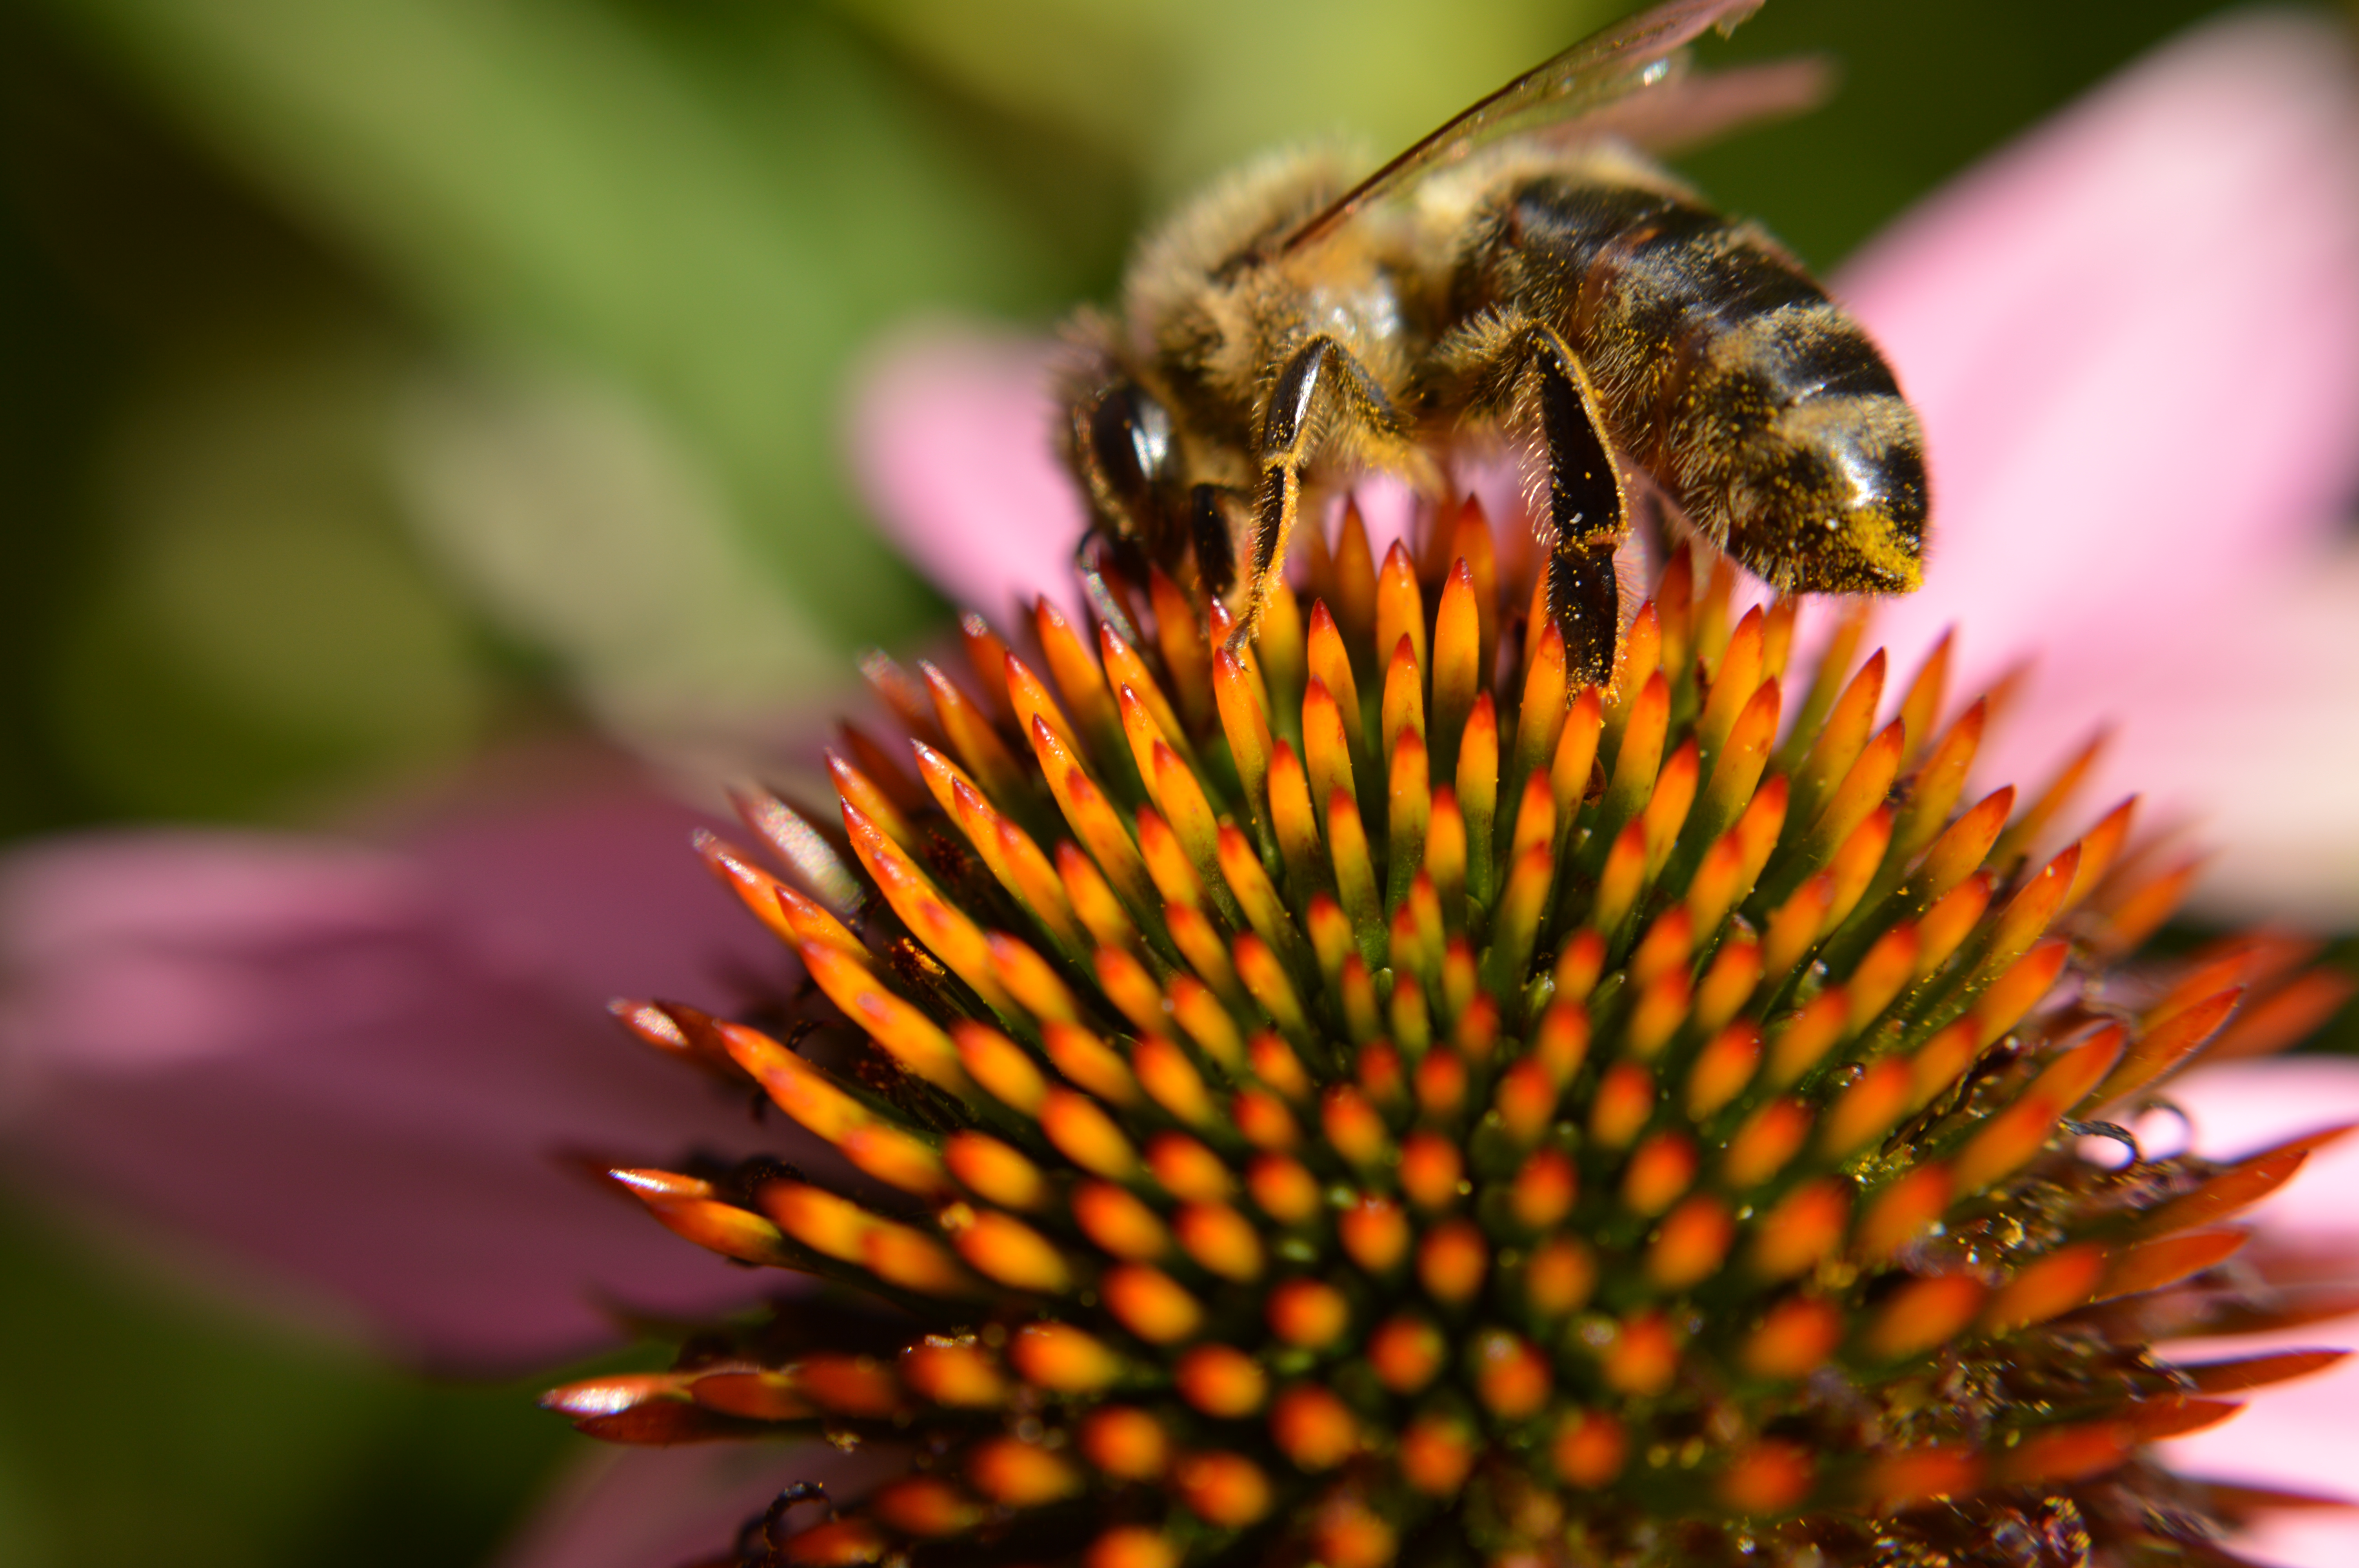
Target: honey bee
(1519, 271)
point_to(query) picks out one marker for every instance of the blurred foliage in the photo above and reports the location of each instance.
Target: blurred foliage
(220, 610)
(1179, 92)
(381, 378)
(140, 1425)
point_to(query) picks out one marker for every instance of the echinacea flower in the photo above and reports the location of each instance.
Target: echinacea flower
(2308, 166)
(1324, 1101)
(990, 444)
(2166, 543)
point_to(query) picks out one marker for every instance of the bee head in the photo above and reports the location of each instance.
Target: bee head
(1119, 444)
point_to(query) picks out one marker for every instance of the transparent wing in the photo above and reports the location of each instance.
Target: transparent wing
(1690, 110)
(1601, 70)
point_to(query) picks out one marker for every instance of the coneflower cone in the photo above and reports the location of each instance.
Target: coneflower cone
(1333, 1106)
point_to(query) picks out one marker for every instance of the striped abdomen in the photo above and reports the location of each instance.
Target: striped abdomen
(1726, 373)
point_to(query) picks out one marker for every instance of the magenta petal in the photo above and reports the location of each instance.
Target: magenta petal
(342, 1074)
(954, 442)
(2299, 1435)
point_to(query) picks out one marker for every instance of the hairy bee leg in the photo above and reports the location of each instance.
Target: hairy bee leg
(1320, 383)
(1588, 510)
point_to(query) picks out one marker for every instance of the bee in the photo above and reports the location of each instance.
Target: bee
(1520, 272)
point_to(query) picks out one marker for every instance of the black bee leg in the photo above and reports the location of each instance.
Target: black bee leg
(1585, 601)
(1589, 512)
(1587, 515)
(1319, 388)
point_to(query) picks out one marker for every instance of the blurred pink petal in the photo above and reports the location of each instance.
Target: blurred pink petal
(2297, 1435)
(954, 440)
(349, 1067)
(2134, 338)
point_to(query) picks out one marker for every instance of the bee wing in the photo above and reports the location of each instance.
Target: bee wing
(1688, 111)
(1601, 70)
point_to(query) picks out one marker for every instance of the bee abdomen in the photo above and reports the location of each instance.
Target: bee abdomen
(1726, 373)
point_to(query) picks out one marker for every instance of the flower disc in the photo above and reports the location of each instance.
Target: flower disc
(1354, 1097)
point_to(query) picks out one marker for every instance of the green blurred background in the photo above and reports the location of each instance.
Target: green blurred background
(382, 380)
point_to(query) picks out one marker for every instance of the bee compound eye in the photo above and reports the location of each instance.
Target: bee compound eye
(1132, 436)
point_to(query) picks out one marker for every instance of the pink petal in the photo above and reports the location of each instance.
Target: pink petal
(2258, 742)
(343, 1072)
(953, 439)
(2134, 342)
(2299, 1435)
(2236, 1108)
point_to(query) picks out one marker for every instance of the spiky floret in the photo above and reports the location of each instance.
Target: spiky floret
(1330, 1104)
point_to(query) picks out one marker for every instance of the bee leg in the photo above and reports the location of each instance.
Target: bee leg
(1585, 601)
(1588, 512)
(1320, 387)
